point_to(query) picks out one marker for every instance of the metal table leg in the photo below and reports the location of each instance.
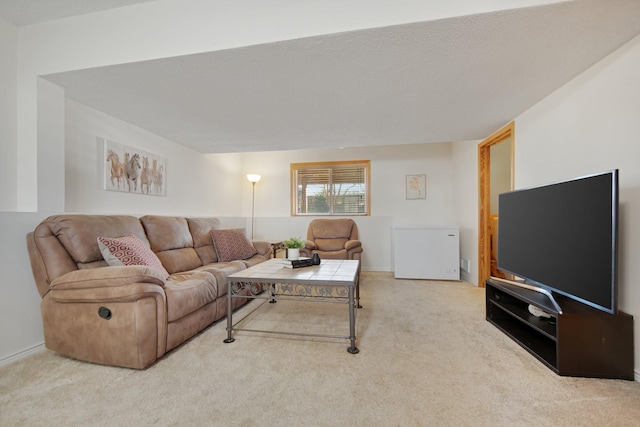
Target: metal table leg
(273, 293)
(352, 322)
(358, 291)
(229, 315)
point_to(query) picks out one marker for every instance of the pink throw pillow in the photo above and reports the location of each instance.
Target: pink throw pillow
(232, 244)
(129, 250)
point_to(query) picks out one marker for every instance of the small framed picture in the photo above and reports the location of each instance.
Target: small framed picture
(416, 187)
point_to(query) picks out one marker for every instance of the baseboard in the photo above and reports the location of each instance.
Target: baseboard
(22, 354)
(465, 277)
(636, 375)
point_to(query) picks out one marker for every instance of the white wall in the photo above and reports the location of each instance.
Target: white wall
(20, 321)
(194, 183)
(592, 125)
(389, 167)
(465, 190)
(51, 143)
(8, 115)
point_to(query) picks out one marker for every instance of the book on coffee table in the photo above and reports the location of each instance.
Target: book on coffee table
(297, 263)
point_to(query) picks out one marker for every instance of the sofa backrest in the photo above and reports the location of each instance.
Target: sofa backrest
(63, 243)
(182, 244)
(335, 228)
(172, 242)
(200, 229)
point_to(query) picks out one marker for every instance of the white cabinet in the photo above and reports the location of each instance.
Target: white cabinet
(426, 253)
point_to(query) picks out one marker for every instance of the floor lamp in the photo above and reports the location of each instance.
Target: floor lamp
(253, 179)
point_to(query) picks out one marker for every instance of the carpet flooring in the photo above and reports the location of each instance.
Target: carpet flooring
(427, 357)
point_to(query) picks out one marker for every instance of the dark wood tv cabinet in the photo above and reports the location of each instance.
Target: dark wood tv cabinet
(577, 340)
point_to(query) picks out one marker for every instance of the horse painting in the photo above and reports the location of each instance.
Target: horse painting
(158, 179)
(146, 178)
(117, 169)
(132, 170)
(154, 174)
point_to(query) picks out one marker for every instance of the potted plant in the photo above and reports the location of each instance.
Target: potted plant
(293, 246)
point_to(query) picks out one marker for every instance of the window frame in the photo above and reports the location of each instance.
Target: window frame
(295, 167)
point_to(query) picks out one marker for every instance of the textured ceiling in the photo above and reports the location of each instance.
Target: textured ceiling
(26, 12)
(447, 80)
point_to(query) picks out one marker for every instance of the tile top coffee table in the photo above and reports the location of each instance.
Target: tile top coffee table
(334, 281)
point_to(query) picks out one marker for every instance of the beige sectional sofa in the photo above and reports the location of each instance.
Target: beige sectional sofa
(129, 315)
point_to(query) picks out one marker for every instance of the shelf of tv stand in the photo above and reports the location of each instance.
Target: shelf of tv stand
(577, 340)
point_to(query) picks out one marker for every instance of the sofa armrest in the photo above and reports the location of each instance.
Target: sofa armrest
(308, 244)
(108, 277)
(107, 315)
(263, 247)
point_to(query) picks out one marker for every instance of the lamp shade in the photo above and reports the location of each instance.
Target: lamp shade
(253, 177)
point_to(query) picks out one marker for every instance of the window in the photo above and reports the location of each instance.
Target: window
(330, 188)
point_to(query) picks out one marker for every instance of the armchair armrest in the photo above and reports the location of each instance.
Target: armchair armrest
(309, 247)
(352, 244)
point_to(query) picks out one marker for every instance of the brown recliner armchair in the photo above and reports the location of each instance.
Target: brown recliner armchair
(333, 239)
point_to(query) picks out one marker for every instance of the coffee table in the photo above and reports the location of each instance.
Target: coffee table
(333, 281)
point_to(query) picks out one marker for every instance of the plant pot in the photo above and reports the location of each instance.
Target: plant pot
(293, 253)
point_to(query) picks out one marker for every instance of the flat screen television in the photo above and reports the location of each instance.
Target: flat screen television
(563, 238)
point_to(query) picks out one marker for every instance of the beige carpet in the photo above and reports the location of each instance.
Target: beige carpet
(427, 358)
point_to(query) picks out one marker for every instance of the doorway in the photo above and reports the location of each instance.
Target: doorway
(495, 176)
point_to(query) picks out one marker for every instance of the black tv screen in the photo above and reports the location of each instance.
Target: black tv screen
(563, 237)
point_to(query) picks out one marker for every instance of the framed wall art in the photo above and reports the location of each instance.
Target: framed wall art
(416, 187)
(132, 170)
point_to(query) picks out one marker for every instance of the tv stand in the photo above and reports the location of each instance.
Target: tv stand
(576, 340)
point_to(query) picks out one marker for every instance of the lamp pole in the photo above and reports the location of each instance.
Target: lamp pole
(253, 179)
(253, 207)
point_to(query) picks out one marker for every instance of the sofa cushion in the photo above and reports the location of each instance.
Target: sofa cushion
(341, 254)
(172, 242)
(129, 250)
(188, 292)
(330, 244)
(254, 260)
(221, 270)
(232, 244)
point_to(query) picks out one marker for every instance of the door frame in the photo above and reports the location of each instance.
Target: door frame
(484, 196)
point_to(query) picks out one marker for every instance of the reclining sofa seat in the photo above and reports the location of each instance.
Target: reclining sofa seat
(129, 316)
